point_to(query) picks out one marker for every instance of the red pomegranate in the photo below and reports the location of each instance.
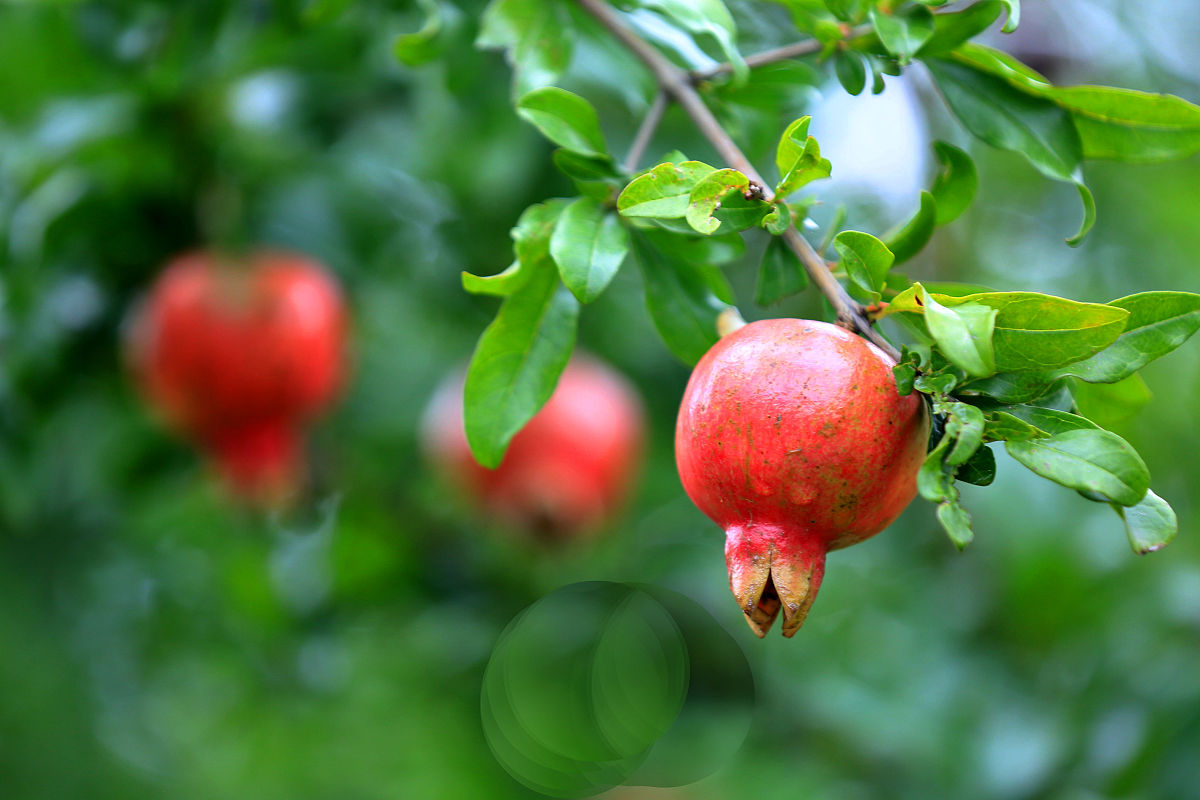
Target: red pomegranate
(238, 355)
(793, 439)
(567, 471)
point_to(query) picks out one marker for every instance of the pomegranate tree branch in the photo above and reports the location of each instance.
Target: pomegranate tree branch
(645, 132)
(677, 84)
(807, 47)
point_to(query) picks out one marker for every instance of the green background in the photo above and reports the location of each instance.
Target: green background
(157, 642)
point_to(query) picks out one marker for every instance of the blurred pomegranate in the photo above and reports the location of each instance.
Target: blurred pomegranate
(238, 355)
(566, 472)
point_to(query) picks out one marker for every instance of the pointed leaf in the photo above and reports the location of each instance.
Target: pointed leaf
(956, 522)
(1158, 323)
(1125, 125)
(588, 245)
(1087, 460)
(908, 240)
(564, 118)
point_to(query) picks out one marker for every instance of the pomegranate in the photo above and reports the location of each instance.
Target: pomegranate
(238, 355)
(566, 472)
(792, 437)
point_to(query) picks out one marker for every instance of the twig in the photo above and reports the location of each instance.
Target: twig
(807, 47)
(676, 83)
(645, 132)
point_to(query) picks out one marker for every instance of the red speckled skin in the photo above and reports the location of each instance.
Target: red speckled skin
(567, 471)
(238, 355)
(792, 438)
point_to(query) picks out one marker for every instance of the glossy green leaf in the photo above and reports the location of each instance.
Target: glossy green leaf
(865, 259)
(502, 284)
(963, 334)
(1014, 15)
(588, 245)
(1150, 525)
(1087, 460)
(681, 299)
(517, 363)
(956, 522)
(664, 191)
(904, 31)
(1040, 332)
(850, 70)
(1125, 125)
(955, 185)
(564, 118)
(537, 35)
(707, 195)
(780, 275)
(1111, 403)
(909, 238)
(952, 29)
(1158, 323)
(798, 158)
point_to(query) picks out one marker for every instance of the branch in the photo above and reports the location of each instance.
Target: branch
(807, 47)
(645, 132)
(676, 83)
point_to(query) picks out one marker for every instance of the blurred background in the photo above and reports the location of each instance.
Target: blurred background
(158, 641)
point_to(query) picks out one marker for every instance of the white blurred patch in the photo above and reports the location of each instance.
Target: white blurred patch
(262, 100)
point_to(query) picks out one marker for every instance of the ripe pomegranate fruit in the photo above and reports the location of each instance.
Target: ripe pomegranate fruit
(238, 355)
(566, 472)
(793, 439)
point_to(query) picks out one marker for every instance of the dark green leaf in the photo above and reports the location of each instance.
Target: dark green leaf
(906, 375)
(736, 213)
(951, 30)
(775, 86)
(980, 469)
(955, 185)
(1111, 403)
(1151, 524)
(595, 177)
(956, 522)
(781, 274)
(908, 240)
(588, 245)
(564, 118)
(850, 70)
(1051, 421)
(865, 259)
(517, 363)
(1158, 323)
(1011, 387)
(1091, 460)
(777, 220)
(707, 195)
(904, 31)
(680, 298)
(963, 334)
(664, 191)
(1040, 332)
(943, 383)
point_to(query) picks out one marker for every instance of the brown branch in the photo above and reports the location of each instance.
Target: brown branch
(807, 47)
(677, 83)
(645, 131)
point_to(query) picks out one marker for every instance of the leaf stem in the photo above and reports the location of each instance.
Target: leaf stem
(677, 83)
(645, 131)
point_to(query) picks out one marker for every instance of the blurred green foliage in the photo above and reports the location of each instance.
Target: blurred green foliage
(158, 642)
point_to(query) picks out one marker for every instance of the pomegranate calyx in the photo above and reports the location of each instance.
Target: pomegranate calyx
(771, 571)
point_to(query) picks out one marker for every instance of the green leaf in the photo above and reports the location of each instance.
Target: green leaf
(968, 424)
(536, 33)
(1111, 403)
(682, 297)
(424, 44)
(564, 118)
(517, 363)
(1040, 332)
(934, 482)
(664, 192)
(1012, 387)
(956, 522)
(956, 182)
(980, 469)
(781, 274)
(952, 29)
(963, 334)
(1004, 427)
(707, 195)
(531, 245)
(798, 158)
(904, 31)
(1158, 323)
(736, 213)
(588, 245)
(1151, 524)
(1087, 460)
(772, 87)
(1014, 15)
(1051, 421)
(943, 383)
(908, 240)
(865, 259)
(850, 70)
(1089, 214)
(1125, 125)
(703, 18)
